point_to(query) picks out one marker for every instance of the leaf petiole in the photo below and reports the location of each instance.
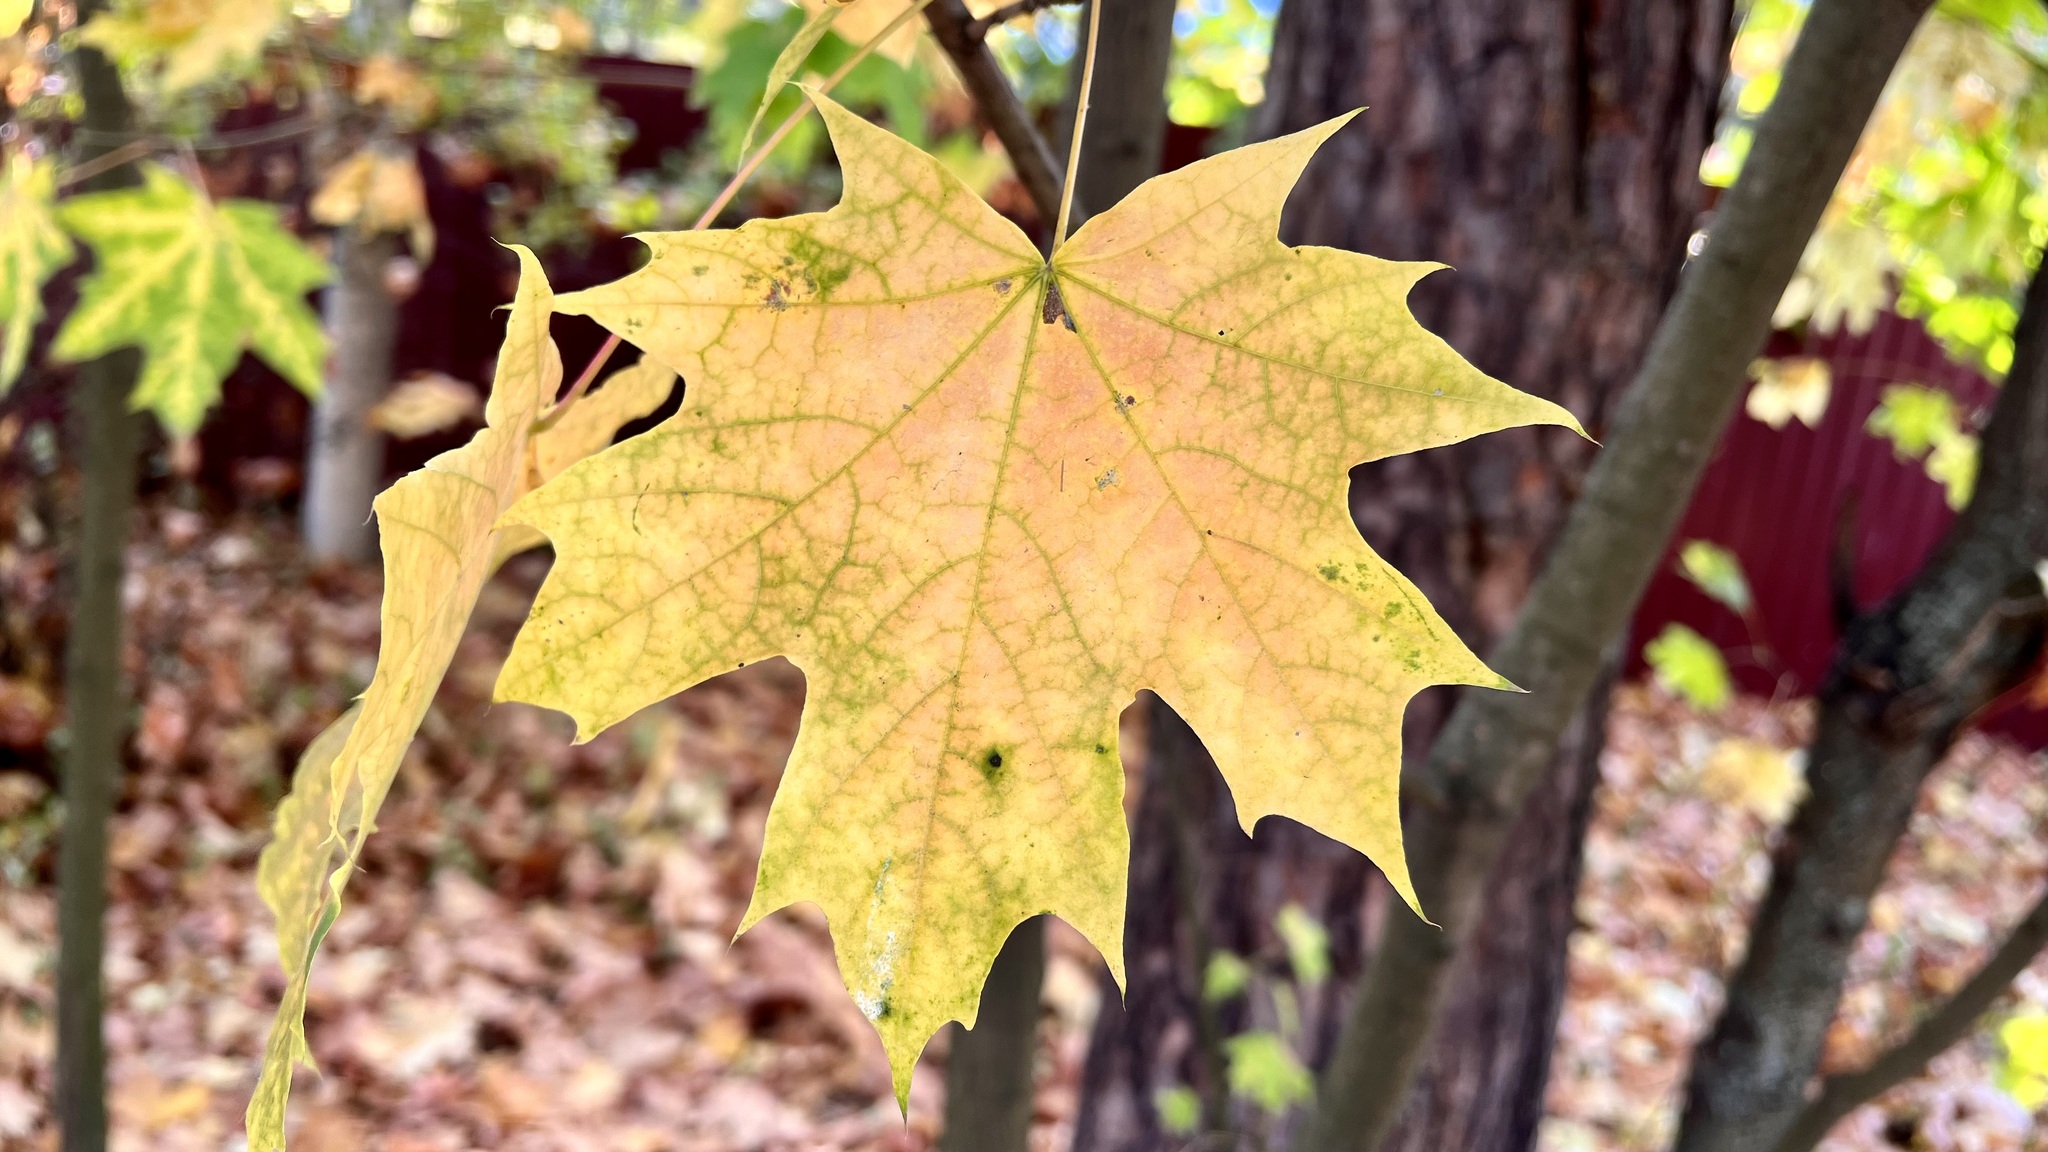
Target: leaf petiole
(1059, 232)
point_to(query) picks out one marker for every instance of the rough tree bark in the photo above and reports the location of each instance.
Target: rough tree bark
(1496, 747)
(1905, 678)
(991, 1065)
(344, 455)
(95, 706)
(1127, 113)
(1548, 151)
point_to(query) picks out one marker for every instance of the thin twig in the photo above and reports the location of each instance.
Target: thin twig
(1037, 168)
(1841, 1095)
(105, 162)
(1059, 231)
(979, 28)
(731, 189)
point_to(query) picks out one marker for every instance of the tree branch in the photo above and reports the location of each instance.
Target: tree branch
(978, 29)
(1037, 167)
(1496, 746)
(1841, 1095)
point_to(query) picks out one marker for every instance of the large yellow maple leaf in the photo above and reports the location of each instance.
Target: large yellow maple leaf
(981, 499)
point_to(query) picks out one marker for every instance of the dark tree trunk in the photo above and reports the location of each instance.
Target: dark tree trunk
(1549, 152)
(95, 708)
(1199, 885)
(1906, 677)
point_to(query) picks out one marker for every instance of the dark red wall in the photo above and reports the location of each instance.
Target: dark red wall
(1777, 499)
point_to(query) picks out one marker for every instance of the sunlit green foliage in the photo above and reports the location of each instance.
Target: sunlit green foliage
(730, 91)
(1220, 48)
(1944, 210)
(1923, 424)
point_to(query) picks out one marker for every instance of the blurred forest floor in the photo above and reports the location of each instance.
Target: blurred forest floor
(534, 957)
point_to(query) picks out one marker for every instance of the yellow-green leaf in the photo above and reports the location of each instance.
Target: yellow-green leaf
(585, 427)
(193, 283)
(589, 425)
(436, 530)
(981, 501)
(1716, 571)
(293, 876)
(792, 57)
(32, 247)
(185, 42)
(13, 14)
(1687, 664)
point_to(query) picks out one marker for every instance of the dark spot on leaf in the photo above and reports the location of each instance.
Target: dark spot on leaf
(1101, 750)
(995, 758)
(1003, 287)
(1329, 571)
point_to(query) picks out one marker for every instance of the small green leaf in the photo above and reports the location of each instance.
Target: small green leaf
(1914, 418)
(1180, 1110)
(1923, 422)
(1227, 976)
(1715, 570)
(1308, 944)
(31, 248)
(790, 59)
(1688, 665)
(1264, 1070)
(193, 283)
(1953, 465)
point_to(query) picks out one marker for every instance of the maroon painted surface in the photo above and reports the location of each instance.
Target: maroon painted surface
(1776, 497)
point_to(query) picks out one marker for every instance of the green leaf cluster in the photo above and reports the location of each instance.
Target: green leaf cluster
(1924, 424)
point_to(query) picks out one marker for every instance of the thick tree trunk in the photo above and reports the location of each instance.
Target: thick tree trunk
(1549, 151)
(344, 455)
(1495, 748)
(1127, 110)
(95, 708)
(1905, 678)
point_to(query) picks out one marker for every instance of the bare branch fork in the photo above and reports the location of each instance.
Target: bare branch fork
(979, 28)
(1038, 168)
(1841, 1095)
